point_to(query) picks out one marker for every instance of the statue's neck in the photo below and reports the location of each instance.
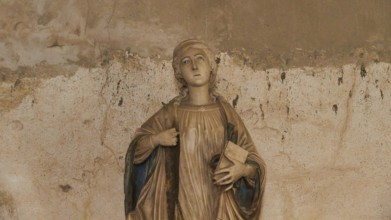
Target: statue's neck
(199, 96)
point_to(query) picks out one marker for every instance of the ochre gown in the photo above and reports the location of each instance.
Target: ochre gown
(203, 133)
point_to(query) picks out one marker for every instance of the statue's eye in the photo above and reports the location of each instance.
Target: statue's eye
(186, 61)
(200, 57)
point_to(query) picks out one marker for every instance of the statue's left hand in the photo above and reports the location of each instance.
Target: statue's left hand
(232, 174)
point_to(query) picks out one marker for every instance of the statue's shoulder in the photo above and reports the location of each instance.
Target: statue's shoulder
(224, 103)
(172, 104)
(229, 110)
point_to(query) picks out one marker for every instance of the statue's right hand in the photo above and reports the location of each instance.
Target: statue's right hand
(165, 138)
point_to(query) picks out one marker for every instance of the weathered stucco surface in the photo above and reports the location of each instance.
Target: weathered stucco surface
(271, 32)
(324, 133)
(310, 79)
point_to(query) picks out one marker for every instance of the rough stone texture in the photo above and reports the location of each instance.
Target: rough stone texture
(272, 32)
(311, 80)
(324, 133)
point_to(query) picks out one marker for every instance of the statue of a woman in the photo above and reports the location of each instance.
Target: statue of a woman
(173, 166)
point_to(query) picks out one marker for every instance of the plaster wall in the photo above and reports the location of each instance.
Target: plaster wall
(324, 133)
(270, 32)
(78, 77)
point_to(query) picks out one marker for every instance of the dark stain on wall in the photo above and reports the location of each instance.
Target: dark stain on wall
(283, 75)
(217, 60)
(65, 188)
(335, 108)
(262, 112)
(235, 101)
(363, 71)
(118, 86)
(121, 101)
(7, 205)
(269, 85)
(340, 80)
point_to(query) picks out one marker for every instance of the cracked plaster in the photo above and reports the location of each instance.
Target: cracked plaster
(63, 145)
(310, 79)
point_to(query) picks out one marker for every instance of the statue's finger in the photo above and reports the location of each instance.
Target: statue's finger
(223, 180)
(229, 187)
(172, 130)
(220, 171)
(220, 178)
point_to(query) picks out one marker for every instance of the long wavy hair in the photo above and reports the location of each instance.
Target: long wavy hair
(176, 61)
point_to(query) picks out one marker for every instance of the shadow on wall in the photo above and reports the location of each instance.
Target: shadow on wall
(7, 206)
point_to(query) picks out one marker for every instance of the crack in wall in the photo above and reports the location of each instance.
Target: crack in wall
(111, 84)
(105, 126)
(348, 117)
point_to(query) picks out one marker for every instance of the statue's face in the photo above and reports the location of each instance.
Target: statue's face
(195, 67)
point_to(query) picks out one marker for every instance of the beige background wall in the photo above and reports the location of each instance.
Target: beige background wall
(311, 80)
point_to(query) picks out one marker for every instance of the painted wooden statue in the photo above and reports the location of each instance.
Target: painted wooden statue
(194, 159)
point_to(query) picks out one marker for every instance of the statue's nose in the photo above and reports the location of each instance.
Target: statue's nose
(194, 65)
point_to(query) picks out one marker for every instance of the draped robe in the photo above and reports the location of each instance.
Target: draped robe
(176, 182)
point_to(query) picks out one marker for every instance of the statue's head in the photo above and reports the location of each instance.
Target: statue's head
(178, 56)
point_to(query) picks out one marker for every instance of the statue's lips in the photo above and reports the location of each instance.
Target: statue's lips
(197, 74)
